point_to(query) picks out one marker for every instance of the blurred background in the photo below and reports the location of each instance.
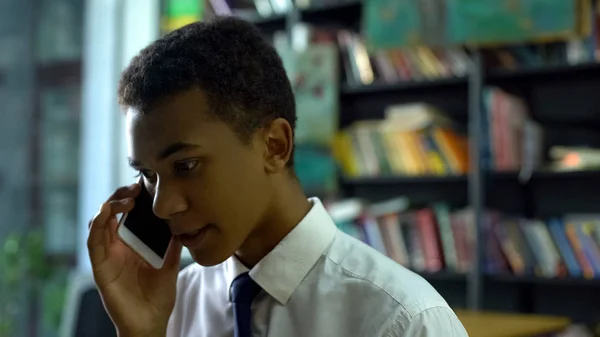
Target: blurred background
(460, 138)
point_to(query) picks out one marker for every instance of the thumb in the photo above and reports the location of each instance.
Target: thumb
(173, 256)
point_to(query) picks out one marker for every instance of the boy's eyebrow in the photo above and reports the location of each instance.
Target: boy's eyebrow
(174, 148)
(165, 153)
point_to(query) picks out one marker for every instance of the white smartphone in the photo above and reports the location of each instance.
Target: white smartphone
(145, 233)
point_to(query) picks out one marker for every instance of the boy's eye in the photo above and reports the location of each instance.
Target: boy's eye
(186, 165)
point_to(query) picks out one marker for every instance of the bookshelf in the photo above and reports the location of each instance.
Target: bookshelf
(443, 276)
(343, 12)
(552, 175)
(395, 180)
(538, 74)
(451, 189)
(334, 9)
(353, 90)
(592, 284)
(563, 99)
(269, 24)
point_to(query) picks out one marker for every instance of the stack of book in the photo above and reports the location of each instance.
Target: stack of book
(437, 238)
(558, 247)
(397, 65)
(429, 239)
(514, 140)
(574, 158)
(413, 139)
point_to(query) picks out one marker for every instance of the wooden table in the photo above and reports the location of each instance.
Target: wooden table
(491, 324)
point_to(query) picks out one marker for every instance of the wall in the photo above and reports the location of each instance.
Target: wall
(115, 32)
(16, 108)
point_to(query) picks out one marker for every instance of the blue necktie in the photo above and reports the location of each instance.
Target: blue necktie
(242, 293)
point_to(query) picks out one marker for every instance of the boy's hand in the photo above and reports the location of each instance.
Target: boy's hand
(138, 298)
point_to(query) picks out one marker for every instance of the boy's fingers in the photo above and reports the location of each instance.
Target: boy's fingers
(98, 222)
(121, 201)
(121, 206)
(130, 191)
(102, 223)
(96, 236)
(108, 209)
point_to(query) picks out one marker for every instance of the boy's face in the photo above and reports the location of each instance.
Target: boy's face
(202, 176)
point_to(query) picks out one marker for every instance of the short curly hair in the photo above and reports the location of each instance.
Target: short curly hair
(227, 58)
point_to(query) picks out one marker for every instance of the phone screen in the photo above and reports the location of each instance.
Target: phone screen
(150, 229)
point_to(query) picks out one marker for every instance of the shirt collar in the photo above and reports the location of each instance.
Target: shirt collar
(280, 272)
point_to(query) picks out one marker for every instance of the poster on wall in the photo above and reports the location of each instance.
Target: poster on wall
(313, 73)
(400, 23)
(314, 78)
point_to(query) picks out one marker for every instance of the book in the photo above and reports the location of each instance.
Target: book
(419, 238)
(413, 139)
(552, 248)
(513, 140)
(439, 238)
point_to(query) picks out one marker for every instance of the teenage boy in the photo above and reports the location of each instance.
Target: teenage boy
(210, 122)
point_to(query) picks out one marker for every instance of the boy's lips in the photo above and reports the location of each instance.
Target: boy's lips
(194, 238)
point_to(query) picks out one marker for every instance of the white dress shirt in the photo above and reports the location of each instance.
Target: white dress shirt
(317, 282)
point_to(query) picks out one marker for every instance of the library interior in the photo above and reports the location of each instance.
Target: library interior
(492, 195)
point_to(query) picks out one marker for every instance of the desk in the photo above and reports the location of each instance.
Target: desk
(491, 324)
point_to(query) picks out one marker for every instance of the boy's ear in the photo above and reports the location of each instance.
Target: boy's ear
(279, 140)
